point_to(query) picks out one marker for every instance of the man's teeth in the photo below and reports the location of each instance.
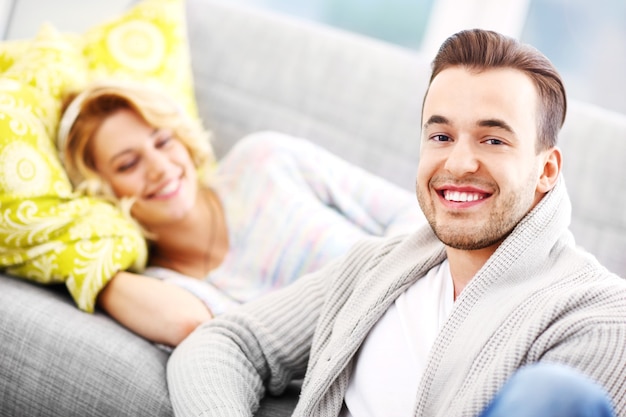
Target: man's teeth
(462, 196)
(169, 188)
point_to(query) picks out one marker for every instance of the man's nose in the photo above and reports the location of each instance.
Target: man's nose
(462, 158)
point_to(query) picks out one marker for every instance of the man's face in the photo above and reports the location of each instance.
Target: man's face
(479, 170)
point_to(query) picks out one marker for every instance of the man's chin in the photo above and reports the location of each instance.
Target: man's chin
(466, 240)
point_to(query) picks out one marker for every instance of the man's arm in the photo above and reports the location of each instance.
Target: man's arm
(226, 365)
(155, 310)
(599, 353)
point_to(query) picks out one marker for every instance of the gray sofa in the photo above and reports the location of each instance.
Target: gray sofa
(256, 71)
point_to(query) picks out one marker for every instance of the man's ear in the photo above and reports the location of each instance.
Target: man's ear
(551, 169)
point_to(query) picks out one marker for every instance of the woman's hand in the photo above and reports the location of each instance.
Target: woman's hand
(157, 311)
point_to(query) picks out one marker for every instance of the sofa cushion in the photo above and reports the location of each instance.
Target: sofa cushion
(65, 367)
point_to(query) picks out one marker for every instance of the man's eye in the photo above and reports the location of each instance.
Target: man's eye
(494, 142)
(440, 138)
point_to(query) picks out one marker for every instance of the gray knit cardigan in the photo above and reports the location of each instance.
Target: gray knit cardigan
(538, 298)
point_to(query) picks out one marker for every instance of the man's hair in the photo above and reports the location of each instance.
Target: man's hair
(480, 50)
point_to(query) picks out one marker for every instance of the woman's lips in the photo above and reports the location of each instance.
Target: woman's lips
(167, 190)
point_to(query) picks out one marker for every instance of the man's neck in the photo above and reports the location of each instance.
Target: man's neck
(464, 264)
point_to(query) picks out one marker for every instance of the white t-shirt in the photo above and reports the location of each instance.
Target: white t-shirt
(392, 359)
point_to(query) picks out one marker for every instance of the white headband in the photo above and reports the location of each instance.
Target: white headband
(67, 121)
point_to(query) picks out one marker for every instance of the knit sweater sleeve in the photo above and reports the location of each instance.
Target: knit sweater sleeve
(223, 367)
(599, 323)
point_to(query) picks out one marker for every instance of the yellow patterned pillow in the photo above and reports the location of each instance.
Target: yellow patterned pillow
(10, 51)
(52, 65)
(47, 233)
(146, 44)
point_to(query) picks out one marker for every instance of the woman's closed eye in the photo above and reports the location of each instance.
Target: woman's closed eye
(163, 139)
(127, 165)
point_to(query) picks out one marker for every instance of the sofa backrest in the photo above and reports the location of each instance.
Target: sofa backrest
(593, 141)
(355, 96)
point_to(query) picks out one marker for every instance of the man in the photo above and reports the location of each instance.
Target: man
(435, 323)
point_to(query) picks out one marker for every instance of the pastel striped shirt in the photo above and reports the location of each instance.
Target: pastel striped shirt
(290, 207)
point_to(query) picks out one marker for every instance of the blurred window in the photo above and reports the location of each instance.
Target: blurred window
(586, 40)
(401, 22)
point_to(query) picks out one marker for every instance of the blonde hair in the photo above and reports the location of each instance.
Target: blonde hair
(85, 112)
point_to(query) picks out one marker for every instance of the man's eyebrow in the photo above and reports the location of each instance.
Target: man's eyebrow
(501, 124)
(436, 119)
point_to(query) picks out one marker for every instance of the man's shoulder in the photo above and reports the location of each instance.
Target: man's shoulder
(577, 261)
(585, 281)
(418, 250)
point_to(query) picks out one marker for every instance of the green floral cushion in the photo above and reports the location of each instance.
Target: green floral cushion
(47, 233)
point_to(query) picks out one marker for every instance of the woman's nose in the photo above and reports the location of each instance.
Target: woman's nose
(462, 158)
(157, 165)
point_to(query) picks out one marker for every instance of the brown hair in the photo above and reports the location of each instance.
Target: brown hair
(480, 50)
(99, 101)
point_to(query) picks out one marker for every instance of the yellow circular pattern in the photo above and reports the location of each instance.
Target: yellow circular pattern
(138, 45)
(25, 171)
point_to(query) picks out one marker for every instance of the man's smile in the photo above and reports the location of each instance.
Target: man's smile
(461, 196)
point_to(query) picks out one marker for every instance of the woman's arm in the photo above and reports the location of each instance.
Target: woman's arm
(372, 203)
(155, 310)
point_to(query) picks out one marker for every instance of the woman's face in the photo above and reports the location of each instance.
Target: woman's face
(149, 164)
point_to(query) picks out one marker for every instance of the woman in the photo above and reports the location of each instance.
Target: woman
(273, 209)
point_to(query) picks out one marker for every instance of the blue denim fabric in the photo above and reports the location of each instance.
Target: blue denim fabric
(550, 390)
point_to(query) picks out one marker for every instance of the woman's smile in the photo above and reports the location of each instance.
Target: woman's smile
(166, 191)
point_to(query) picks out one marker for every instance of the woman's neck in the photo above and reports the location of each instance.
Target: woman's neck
(196, 245)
